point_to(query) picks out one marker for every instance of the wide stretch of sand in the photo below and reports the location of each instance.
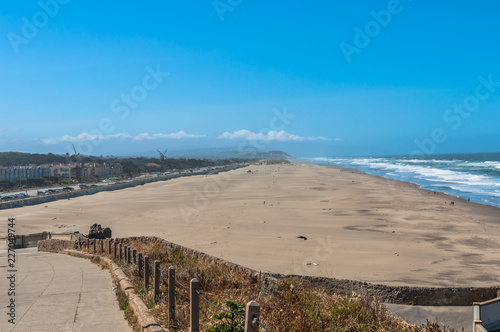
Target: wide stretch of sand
(358, 226)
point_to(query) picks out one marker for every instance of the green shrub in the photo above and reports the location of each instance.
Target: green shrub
(228, 322)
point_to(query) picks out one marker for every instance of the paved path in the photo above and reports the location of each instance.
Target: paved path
(459, 318)
(56, 292)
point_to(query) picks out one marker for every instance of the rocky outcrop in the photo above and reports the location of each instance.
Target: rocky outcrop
(97, 232)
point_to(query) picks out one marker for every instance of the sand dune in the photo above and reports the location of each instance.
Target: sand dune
(358, 226)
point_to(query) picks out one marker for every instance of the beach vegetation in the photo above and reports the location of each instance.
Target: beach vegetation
(229, 322)
(291, 304)
(124, 305)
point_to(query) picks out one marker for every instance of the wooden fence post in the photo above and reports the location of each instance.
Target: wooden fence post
(134, 256)
(146, 273)
(252, 311)
(109, 247)
(157, 281)
(194, 306)
(128, 255)
(115, 245)
(120, 252)
(140, 265)
(171, 294)
(93, 244)
(102, 246)
(125, 250)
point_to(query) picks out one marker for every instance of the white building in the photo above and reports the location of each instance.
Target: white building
(13, 173)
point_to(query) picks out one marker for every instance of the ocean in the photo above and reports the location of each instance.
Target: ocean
(474, 176)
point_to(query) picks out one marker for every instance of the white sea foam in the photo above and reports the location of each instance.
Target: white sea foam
(469, 177)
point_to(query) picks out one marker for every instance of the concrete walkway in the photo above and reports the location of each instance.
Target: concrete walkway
(56, 292)
(459, 318)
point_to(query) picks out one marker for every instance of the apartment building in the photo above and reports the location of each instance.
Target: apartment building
(66, 171)
(13, 173)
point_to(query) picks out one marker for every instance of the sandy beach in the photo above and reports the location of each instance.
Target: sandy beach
(358, 226)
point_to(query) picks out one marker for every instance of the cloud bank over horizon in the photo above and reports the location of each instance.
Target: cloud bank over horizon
(140, 137)
(243, 134)
(272, 135)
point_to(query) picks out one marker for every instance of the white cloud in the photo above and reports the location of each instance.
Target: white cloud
(272, 135)
(91, 137)
(177, 135)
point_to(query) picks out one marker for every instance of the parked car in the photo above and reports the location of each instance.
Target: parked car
(68, 188)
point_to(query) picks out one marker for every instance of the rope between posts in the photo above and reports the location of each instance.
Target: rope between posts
(178, 321)
(165, 274)
(177, 281)
(256, 320)
(213, 305)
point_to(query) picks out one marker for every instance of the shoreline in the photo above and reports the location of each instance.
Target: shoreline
(417, 186)
(358, 226)
(476, 198)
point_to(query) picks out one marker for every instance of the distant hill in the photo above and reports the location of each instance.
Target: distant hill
(198, 158)
(24, 159)
(220, 153)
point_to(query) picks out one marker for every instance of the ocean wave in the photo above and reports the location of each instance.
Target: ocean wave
(459, 176)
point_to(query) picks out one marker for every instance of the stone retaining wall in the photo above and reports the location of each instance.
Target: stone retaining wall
(55, 245)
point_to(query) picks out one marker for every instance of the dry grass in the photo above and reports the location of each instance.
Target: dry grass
(128, 312)
(286, 305)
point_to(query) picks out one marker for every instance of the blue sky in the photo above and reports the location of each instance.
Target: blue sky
(322, 78)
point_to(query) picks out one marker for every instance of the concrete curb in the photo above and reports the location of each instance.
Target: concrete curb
(146, 320)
